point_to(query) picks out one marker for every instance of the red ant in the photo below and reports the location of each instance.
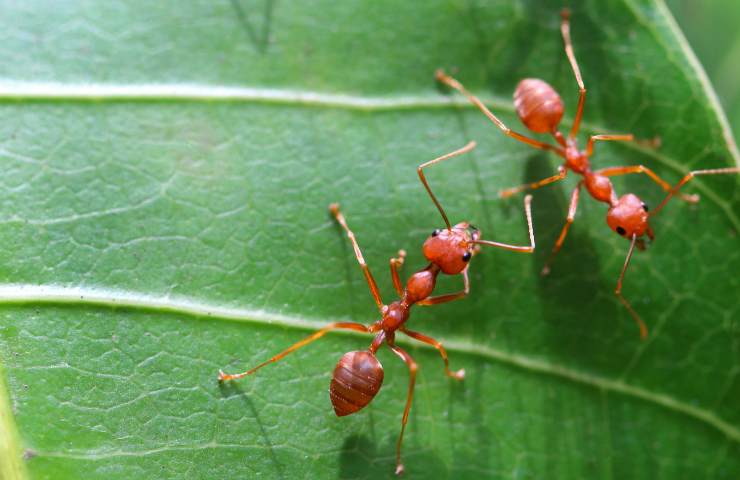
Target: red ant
(540, 109)
(358, 375)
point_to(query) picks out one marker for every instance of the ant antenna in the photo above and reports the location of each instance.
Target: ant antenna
(471, 145)
(618, 291)
(516, 248)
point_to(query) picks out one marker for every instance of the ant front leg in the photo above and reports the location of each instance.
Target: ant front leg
(675, 190)
(458, 375)
(397, 263)
(413, 367)
(222, 377)
(334, 209)
(562, 173)
(450, 296)
(614, 171)
(568, 222)
(618, 292)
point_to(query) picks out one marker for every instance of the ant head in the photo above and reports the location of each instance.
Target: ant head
(452, 249)
(629, 216)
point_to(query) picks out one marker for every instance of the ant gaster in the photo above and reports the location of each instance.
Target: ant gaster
(358, 375)
(540, 109)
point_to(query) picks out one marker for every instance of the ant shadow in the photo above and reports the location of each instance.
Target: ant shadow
(574, 294)
(260, 40)
(361, 458)
(232, 390)
(478, 434)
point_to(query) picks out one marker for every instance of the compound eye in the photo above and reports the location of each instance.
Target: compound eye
(467, 256)
(645, 207)
(436, 232)
(621, 230)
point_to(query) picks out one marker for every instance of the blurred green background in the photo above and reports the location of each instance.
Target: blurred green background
(713, 30)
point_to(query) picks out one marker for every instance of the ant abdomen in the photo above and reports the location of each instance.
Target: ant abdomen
(356, 380)
(538, 105)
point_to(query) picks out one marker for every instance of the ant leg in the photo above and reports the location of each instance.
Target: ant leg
(562, 173)
(673, 191)
(334, 209)
(515, 248)
(419, 170)
(412, 380)
(222, 377)
(397, 263)
(593, 138)
(618, 292)
(458, 375)
(613, 171)
(571, 215)
(451, 82)
(565, 30)
(450, 296)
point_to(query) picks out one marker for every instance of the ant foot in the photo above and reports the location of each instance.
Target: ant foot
(334, 208)
(694, 198)
(401, 257)
(460, 374)
(655, 143)
(225, 377)
(545, 271)
(399, 469)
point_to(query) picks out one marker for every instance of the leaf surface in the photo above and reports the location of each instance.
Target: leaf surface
(167, 173)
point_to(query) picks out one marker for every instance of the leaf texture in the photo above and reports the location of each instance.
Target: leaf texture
(164, 214)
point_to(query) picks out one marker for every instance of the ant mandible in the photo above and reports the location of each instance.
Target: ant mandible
(358, 375)
(540, 109)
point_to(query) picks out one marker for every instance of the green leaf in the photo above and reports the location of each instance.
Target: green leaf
(164, 209)
(712, 30)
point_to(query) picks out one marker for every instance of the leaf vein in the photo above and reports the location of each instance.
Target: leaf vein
(20, 294)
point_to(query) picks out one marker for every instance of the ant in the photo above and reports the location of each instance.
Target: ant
(540, 109)
(358, 375)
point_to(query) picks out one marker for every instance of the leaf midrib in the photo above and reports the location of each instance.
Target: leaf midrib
(19, 294)
(197, 93)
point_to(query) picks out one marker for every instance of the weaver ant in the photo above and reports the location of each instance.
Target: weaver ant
(540, 109)
(358, 375)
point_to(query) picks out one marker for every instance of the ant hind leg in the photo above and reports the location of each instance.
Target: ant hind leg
(222, 377)
(412, 381)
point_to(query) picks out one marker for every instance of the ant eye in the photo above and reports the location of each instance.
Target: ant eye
(474, 228)
(436, 232)
(466, 256)
(645, 207)
(621, 230)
